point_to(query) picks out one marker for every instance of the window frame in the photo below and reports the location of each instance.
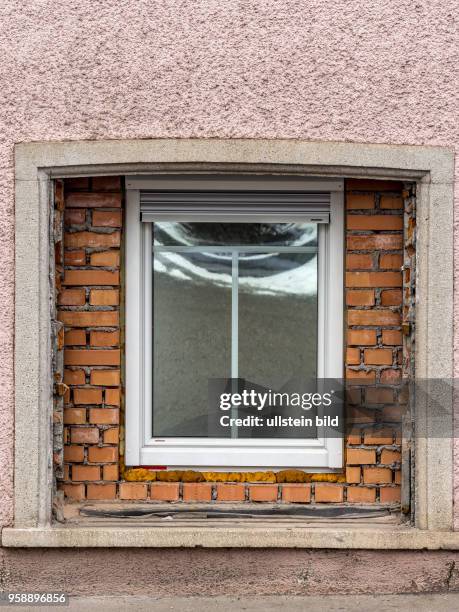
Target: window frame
(38, 163)
(321, 454)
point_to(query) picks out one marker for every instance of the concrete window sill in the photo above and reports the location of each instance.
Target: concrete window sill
(242, 535)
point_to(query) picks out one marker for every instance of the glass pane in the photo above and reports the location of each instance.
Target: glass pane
(194, 315)
(235, 234)
(191, 338)
(278, 323)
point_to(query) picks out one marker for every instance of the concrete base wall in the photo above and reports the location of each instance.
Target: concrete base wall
(227, 572)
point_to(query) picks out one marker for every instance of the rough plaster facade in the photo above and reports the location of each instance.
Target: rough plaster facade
(219, 572)
(347, 71)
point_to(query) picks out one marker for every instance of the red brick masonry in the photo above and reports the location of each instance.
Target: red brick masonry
(88, 284)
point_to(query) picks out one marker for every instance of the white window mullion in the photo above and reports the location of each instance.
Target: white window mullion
(234, 329)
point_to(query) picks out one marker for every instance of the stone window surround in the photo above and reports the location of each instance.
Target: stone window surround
(36, 164)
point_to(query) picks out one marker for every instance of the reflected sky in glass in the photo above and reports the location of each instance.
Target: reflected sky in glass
(193, 315)
(235, 234)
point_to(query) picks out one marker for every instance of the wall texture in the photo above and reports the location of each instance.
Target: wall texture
(347, 71)
(201, 572)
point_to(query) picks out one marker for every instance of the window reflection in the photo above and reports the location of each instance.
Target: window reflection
(235, 234)
(194, 318)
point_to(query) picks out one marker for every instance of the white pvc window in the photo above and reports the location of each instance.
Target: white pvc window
(228, 277)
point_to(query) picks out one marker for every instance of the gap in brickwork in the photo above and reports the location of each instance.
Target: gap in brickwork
(88, 424)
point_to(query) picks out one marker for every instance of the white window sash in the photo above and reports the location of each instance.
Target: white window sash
(320, 454)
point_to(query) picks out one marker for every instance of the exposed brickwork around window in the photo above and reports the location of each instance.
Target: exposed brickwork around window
(89, 307)
(373, 289)
(88, 420)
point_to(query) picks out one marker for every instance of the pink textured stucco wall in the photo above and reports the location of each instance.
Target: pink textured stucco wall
(351, 70)
(241, 573)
